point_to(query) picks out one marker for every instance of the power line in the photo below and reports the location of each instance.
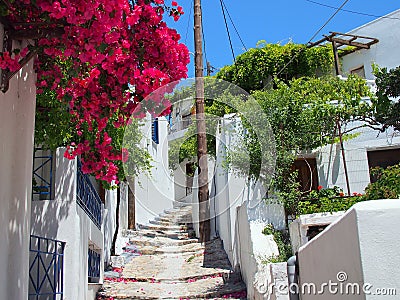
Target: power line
(227, 30)
(353, 12)
(233, 24)
(314, 35)
(188, 24)
(204, 40)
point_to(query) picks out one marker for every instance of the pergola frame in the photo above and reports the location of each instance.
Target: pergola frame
(339, 40)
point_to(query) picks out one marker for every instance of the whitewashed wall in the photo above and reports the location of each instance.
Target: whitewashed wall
(231, 190)
(63, 219)
(299, 227)
(330, 161)
(180, 181)
(362, 246)
(154, 193)
(109, 222)
(253, 247)
(384, 53)
(329, 158)
(17, 117)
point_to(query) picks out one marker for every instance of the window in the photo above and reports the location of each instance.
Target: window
(154, 130)
(358, 71)
(383, 159)
(307, 173)
(94, 260)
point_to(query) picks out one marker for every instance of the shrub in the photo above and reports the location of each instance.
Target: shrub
(387, 184)
(282, 240)
(327, 200)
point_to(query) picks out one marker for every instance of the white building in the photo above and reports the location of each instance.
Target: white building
(154, 192)
(71, 230)
(17, 117)
(54, 242)
(370, 148)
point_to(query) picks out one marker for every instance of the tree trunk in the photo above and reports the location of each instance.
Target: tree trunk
(131, 206)
(114, 240)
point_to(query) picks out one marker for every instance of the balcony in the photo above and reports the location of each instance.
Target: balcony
(87, 197)
(46, 268)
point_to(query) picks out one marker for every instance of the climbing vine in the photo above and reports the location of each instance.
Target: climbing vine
(256, 68)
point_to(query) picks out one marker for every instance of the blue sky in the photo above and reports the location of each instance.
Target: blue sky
(272, 21)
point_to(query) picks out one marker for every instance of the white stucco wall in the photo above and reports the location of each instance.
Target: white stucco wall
(63, 219)
(17, 115)
(253, 247)
(231, 191)
(109, 223)
(329, 158)
(383, 53)
(154, 192)
(299, 227)
(123, 210)
(330, 161)
(180, 181)
(361, 246)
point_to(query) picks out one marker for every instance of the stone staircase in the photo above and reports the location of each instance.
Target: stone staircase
(164, 260)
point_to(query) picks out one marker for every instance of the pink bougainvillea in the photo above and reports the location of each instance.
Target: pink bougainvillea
(108, 57)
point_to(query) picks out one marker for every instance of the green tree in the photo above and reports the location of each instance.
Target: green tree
(55, 127)
(387, 103)
(304, 115)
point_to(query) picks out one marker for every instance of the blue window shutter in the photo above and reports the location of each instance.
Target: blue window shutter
(154, 130)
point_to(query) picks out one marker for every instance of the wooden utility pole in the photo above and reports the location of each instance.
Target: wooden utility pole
(204, 205)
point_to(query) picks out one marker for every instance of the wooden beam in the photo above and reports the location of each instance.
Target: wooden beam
(7, 75)
(33, 34)
(350, 43)
(353, 35)
(310, 45)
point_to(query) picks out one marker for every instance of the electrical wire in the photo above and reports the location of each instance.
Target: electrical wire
(204, 39)
(352, 11)
(188, 24)
(227, 30)
(233, 24)
(314, 35)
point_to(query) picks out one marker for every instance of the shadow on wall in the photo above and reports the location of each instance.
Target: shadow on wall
(47, 215)
(332, 168)
(53, 219)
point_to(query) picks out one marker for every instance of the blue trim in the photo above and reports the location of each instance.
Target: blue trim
(46, 268)
(46, 187)
(87, 197)
(154, 130)
(93, 266)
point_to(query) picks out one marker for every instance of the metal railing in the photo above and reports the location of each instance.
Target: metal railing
(93, 266)
(87, 197)
(46, 268)
(42, 175)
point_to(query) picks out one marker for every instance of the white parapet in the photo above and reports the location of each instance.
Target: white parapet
(298, 229)
(356, 257)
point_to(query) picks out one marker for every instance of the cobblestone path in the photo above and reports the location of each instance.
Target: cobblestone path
(164, 261)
